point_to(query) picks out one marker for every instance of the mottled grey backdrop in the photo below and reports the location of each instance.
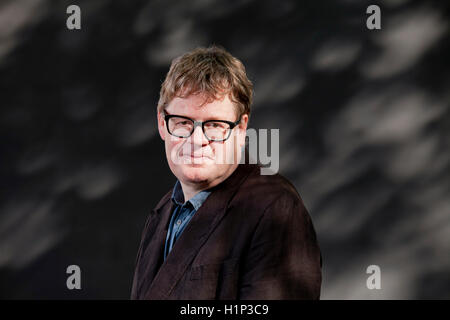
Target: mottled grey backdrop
(364, 119)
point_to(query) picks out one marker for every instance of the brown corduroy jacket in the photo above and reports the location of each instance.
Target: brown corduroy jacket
(251, 239)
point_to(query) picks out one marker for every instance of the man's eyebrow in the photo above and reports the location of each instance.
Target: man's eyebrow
(206, 119)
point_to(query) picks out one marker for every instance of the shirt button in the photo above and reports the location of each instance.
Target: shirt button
(178, 222)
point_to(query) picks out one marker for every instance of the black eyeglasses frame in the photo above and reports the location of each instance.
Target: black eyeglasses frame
(232, 125)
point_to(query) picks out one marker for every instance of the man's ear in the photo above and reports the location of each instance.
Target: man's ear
(242, 127)
(161, 127)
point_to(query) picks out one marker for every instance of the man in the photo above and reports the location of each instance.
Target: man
(224, 231)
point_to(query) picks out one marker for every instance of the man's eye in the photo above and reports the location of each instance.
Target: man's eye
(216, 125)
(183, 123)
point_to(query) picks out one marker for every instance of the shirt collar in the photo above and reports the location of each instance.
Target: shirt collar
(196, 201)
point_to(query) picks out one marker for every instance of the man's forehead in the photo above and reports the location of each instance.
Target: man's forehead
(196, 105)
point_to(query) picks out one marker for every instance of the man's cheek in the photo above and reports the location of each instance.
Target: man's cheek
(216, 153)
(223, 154)
(173, 151)
(234, 149)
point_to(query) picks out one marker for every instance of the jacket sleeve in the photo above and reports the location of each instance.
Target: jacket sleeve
(284, 259)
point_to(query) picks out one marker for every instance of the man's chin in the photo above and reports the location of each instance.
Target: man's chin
(196, 173)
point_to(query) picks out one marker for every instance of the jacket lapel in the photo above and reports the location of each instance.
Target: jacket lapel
(153, 252)
(193, 237)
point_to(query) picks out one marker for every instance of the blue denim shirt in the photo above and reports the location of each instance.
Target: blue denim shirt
(182, 214)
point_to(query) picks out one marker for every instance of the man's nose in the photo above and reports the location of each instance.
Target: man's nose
(198, 137)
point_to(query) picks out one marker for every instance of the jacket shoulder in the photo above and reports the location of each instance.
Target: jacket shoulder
(260, 191)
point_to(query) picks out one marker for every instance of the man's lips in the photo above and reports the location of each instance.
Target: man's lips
(195, 156)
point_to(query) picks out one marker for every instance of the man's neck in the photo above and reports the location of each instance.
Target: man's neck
(191, 189)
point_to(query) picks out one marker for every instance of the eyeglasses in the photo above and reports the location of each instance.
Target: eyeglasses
(214, 130)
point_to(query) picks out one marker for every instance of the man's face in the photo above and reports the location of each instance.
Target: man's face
(196, 160)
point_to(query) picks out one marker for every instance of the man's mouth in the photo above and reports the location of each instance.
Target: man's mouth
(195, 156)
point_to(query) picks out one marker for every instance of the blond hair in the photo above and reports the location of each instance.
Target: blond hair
(212, 72)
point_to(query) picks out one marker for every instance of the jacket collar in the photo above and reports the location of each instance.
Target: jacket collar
(196, 201)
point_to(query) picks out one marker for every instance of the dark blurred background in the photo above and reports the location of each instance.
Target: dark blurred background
(364, 119)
